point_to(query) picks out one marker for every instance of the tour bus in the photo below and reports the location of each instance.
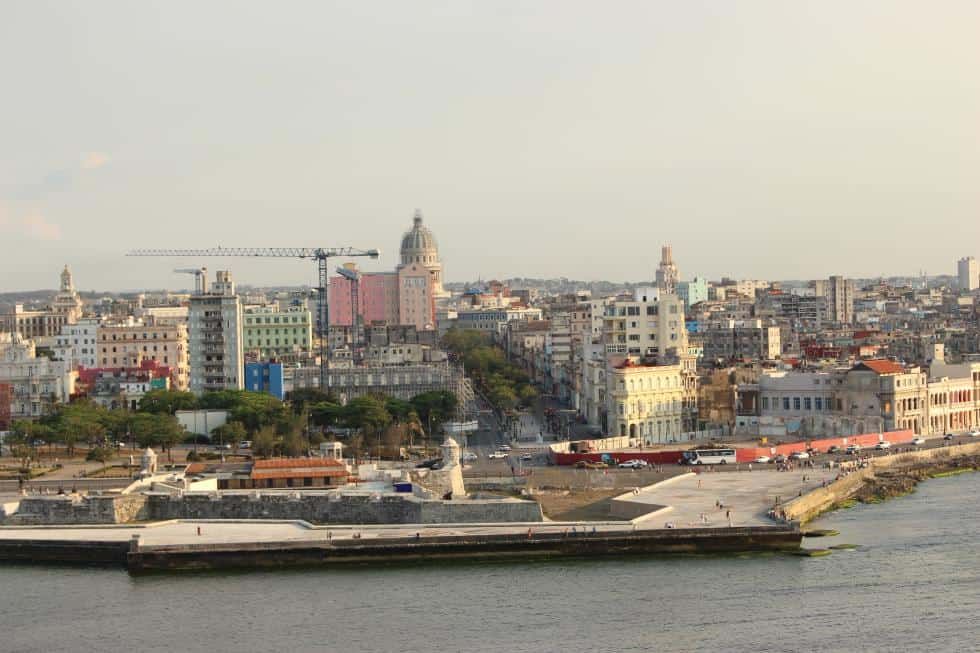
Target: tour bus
(708, 457)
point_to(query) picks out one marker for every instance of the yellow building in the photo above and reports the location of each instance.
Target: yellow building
(646, 401)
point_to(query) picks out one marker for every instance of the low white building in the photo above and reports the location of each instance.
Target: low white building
(77, 343)
(37, 384)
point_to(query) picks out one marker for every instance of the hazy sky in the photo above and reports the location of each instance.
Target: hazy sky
(763, 139)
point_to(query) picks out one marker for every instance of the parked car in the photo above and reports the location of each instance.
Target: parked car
(222, 447)
(852, 448)
(975, 433)
(762, 459)
(918, 441)
(779, 459)
(948, 436)
(504, 447)
(634, 464)
(884, 444)
(469, 457)
(800, 455)
(429, 464)
(245, 444)
(497, 454)
(835, 449)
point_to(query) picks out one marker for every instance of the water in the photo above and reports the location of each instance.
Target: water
(913, 586)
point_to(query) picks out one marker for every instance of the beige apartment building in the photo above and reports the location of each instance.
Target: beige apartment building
(124, 344)
(646, 401)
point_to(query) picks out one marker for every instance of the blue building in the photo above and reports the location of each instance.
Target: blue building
(693, 291)
(265, 377)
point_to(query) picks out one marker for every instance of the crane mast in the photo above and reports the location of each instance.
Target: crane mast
(318, 254)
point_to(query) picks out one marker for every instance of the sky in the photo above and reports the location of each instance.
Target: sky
(763, 139)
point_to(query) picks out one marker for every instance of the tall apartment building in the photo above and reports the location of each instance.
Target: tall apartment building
(840, 299)
(968, 272)
(125, 344)
(269, 331)
(647, 324)
(215, 338)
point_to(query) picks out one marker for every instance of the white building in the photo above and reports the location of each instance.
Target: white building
(215, 338)
(77, 343)
(37, 384)
(968, 272)
(648, 324)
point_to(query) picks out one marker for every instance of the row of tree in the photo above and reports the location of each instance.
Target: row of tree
(275, 427)
(503, 383)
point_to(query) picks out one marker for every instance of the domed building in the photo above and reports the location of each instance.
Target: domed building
(419, 247)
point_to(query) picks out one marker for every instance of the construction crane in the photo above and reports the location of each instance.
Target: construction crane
(200, 278)
(318, 254)
(356, 342)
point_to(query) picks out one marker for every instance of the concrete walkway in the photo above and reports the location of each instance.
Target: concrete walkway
(748, 495)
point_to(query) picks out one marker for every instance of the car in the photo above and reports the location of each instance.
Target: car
(762, 460)
(884, 444)
(526, 457)
(429, 464)
(503, 447)
(948, 436)
(918, 441)
(245, 444)
(469, 457)
(800, 455)
(497, 454)
(853, 448)
(589, 464)
(975, 433)
(634, 464)
(222, 447)
(780, 458)
(835, 449)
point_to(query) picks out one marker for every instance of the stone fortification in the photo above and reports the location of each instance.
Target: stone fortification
(316, 508)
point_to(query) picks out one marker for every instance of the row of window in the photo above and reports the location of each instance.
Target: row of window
(798, 403)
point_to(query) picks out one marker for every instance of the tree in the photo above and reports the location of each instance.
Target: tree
(167, 401)
(306, 397)
(101, 454)
(154, 430)
(264, 441)
(367, 414)
(434, 407)
(232, 432)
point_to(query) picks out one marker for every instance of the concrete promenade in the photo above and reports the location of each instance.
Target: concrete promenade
(747, 495)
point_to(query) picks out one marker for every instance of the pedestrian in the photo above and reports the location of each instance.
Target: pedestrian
(198, 531)
(529, 533)
(699, 483)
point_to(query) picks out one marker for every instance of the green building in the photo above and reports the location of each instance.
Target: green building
(271, 332)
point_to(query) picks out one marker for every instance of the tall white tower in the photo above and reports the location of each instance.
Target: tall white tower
(968, 272)
(667, 275)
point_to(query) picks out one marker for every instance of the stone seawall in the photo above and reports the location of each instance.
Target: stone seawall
(813, 503)
(468, 547)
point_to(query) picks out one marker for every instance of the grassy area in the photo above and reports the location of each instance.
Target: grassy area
(111, 471)
(953, 472)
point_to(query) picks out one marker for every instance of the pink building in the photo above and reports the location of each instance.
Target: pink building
(377, 299)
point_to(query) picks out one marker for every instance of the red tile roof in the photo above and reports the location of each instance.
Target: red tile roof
(285, 463)
(881, 366)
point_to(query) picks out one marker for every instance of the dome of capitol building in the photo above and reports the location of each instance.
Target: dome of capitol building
(419, 244)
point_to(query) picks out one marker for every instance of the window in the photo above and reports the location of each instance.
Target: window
(785, 403)
(807, 404)
(796, 403)
(818, 403)
(765, 403)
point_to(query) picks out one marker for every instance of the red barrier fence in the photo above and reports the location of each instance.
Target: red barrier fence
(742, 454)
